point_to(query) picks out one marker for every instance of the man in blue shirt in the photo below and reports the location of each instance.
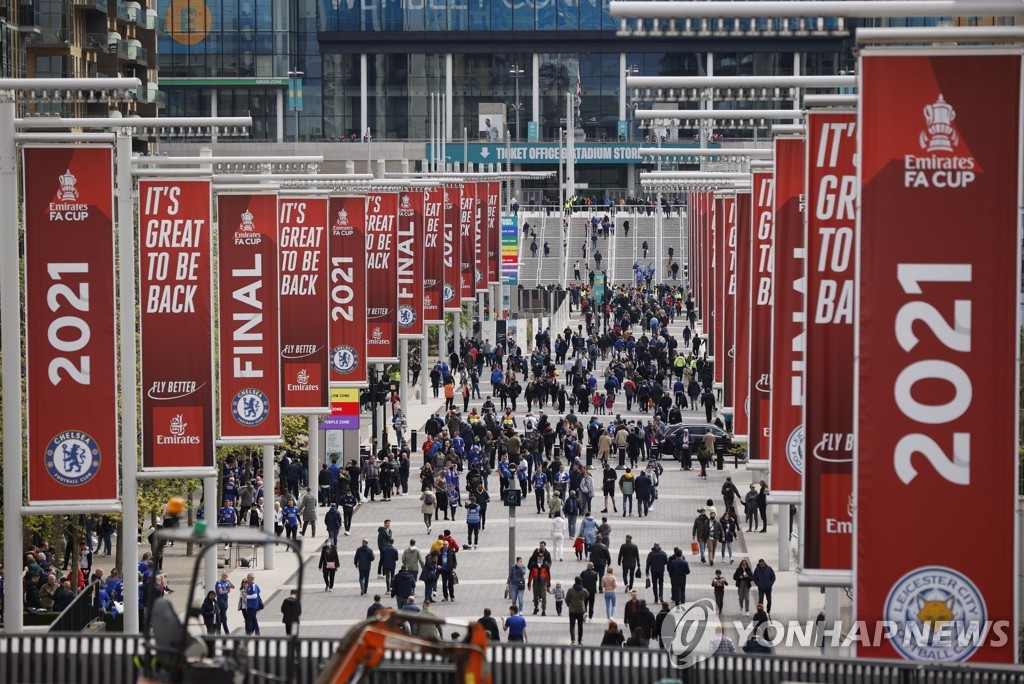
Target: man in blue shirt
(539, 480)
(228, 516)
(223, 589)
(515, 625)
(252, 605)
(290, 514)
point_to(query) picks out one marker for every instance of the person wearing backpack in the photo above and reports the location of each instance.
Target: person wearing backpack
(571, 509)
(428, 506)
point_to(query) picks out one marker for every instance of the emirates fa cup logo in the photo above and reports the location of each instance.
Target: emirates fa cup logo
(68, 192)
(342, 218)
(247, 226)
(405, 202)
(939, 135)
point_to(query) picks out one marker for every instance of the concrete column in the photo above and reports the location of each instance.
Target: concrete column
(622, 86)
(382, 410)
(213, 112)
(831, 616)
(364, 119)
(456, 334)
(280, 115)
(631, 179)
(783, 520)
(211, 504)
(803, 604)
(315, 457)
(269, 550)
(535, 83)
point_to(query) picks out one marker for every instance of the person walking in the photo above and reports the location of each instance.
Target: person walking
(558, 531)
(610, 587)
(515, 625)
(384, 535)
(609, 478)
(743, 577)
(678, 569)
(762, 506)
(223, 589)
(209, 611)
(332, 521)
(657, 562)
(308, 508)
(291, 520)
(718, 584)
(429, 575)
(389, 563)
(764, 580)
(715, 534)
(613, 636)
(363, 561)
(626, 486)
(701, 532)
(447, 562)
(540, 582)
(348, 503)
(428, 505)
(516, 583)
(291, 609)
(253, 605)
(576, 603)
(750, 507)
(329, 563)
(629, 561)
(729, 533)
(473, 517)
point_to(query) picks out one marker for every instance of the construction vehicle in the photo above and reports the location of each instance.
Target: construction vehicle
(364, 647)
(174, 656)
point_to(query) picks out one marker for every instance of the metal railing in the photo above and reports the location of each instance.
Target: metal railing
(100, 5)
(108, 658)
(80, 612)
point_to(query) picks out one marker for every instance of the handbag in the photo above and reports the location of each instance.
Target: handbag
(259, 603)
(330, 565)
(694, 548)
(455, 577)
(647, 585)
(521, 585)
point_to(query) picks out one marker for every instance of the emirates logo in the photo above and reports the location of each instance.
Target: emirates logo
(302, 377)
(68, 191)
(377, 333)
(177, 426)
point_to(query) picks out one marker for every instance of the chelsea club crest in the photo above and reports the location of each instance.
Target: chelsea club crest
(72, 458)
(250, 407)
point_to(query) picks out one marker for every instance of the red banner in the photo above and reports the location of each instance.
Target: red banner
(741, 316)
(247, 283)
(304, 296)
(480, 235)
(452, 248)
(707, 288)
(759, 334)
(719, 348)
(410, 265)
(382, 276)
(347, 316)
(728, 208)
(70, 333)
(434, 255)
(176, 323)
(493, 235)
(828, 406)
(786, 446)
(938, 286)
(467, 215)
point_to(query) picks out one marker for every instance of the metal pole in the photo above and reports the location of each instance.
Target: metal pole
(519, 106)
(129, 377)
(433, 153)
(211, 506)
(511, 536)
(269, 550)
(403, 386)
(381, 406)
(10, 385)
(423, 361)
(315, 460)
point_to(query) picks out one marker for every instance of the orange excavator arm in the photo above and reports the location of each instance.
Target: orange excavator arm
(363, 648)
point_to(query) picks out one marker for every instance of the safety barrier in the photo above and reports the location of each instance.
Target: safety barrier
(109, 658)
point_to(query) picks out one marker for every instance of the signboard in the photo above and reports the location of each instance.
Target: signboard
(786, 445)
(510, 250)
(493, 233)
(728, 210)
(410, 265)
(759, 332)
(481, 237)
(550, 154)
(344, 410)
(302, 230)
(347, 358)
(532, 131)
(247, 287)
(452, 248)
(599, 287)
(467, 221)
(435, 249)
(938, 293)
(382, 276)
(828, 406)
(741, 317)
(69, 333)
(176, 323)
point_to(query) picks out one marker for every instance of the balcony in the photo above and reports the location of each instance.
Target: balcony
(96, 41)
(149, 94)
(151, 22)
(52, 37)
(128, 12)
(92, 5)
(139, 55)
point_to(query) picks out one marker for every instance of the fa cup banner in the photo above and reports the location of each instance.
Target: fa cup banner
(382, 276)
(493, 235)
(786, 444)
(741, 317)
(434, 246)
(467, 221)
(347, 314)
(726, 208)
(247, 282)
(304, 295)
(937, 382)
(762, 261)
(70, 334)
(481, 236)
(175, 321)
(452, 213)
(410, 265)
(828, 406)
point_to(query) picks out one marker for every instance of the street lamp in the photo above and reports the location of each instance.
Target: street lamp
(517, 72)
(631, 70)
(295, 96)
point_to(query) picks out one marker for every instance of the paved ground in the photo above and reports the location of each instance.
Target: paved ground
(482, 571)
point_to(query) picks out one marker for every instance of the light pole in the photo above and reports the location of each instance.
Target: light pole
(627, 106)
(516, 72)
(295, 96)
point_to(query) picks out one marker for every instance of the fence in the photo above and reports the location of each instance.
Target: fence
(109, 658)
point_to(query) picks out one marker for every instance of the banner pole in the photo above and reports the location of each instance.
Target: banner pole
(211, 506)
(315, 460)
(403, 370)
(10, 384)
(129, 375)
(270, 549)
(424, 347)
